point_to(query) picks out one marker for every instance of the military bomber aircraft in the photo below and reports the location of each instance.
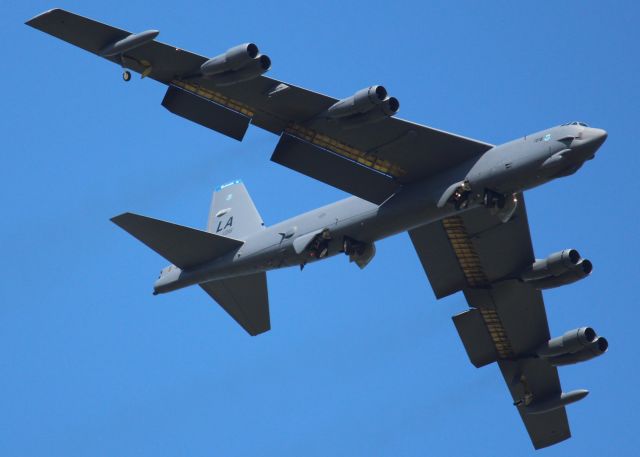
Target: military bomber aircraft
(460, 199)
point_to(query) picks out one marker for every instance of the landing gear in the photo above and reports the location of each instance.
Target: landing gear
(126, 75)
(461, 199)
(500, 205)
(320, 249)
(348, 246)
(461, 196)
(493, 199)
(358, 252)
(320, 245)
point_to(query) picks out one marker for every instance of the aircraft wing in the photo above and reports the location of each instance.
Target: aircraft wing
(506, 322)
(370, 161)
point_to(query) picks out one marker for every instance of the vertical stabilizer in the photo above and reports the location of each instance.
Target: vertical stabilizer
(233, 213)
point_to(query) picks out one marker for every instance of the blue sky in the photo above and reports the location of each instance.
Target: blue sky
(358, 362)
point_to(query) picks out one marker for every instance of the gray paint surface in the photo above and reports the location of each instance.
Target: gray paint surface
(398, 172)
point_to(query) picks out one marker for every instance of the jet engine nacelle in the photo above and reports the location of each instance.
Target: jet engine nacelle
(365, 106)
(574, 346)
(240, 63)
(360, 102)
(559, 269)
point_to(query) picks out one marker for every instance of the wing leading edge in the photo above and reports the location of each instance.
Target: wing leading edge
(400, 150)
(475, 253)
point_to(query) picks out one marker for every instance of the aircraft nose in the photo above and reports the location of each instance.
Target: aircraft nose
(597, 136)
(589, 141)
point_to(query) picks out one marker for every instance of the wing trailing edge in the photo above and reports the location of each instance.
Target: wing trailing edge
(333, 169)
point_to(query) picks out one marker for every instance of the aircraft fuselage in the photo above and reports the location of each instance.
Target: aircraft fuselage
(503, 170)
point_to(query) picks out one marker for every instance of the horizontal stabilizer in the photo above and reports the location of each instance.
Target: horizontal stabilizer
(245, 298)
(183, 246)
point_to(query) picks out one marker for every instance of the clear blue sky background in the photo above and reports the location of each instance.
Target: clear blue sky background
(359, 363)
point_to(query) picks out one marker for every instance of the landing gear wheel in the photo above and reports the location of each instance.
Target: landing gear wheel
(126, 75)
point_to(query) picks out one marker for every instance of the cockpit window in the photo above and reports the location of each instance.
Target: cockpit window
(581, 124)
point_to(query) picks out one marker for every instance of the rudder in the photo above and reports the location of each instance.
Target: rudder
(233, 212)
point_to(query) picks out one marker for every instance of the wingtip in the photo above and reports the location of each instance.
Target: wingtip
(116, 219)
(32, 22)
(255, 332)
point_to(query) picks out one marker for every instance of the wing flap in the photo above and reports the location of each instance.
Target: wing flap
(245, 299)
(333, 169)
(475, 337)
(206, 113)
(438, 259)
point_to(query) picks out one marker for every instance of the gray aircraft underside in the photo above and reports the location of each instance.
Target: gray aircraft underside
(460, 199)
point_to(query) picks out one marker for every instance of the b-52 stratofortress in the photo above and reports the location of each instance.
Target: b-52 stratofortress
(460, 199)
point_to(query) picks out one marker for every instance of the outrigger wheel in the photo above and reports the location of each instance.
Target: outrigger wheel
(126, 75)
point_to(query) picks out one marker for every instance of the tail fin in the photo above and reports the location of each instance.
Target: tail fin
(183, 246)
(233, 212)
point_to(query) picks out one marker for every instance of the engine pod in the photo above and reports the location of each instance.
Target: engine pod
(359, 103)
(591, 351)
(250, 71)
(572, 341)
(234, 59)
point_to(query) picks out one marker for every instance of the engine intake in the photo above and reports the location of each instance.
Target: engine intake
(574, 346)
(559, 269)
(238, 64)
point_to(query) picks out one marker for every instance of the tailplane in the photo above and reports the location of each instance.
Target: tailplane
(185, 247)
(233, 212)
(245, 298)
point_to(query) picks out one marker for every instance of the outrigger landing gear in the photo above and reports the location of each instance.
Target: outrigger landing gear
(126, 75)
